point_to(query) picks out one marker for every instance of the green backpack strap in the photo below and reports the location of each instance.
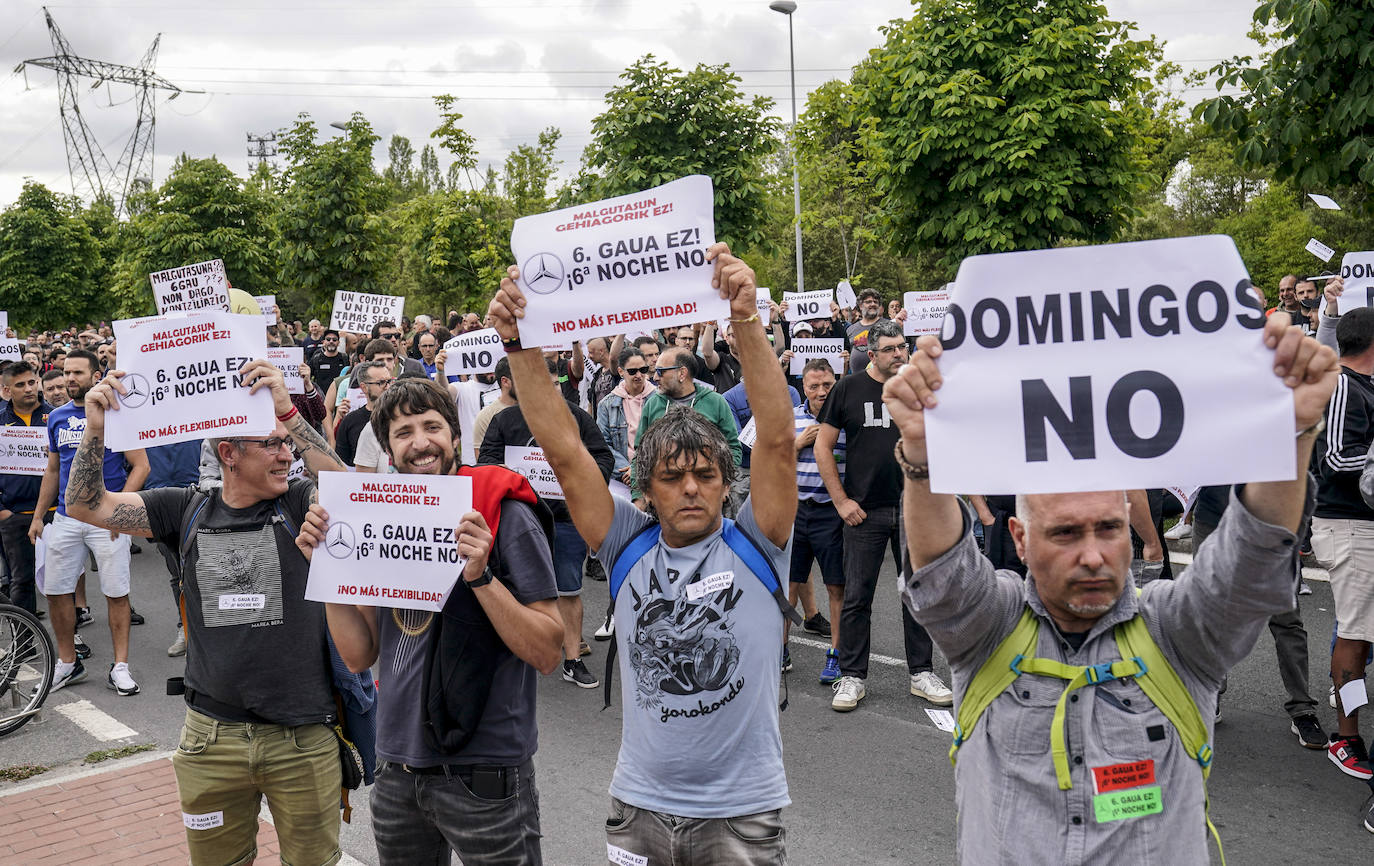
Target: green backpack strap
(999, 671)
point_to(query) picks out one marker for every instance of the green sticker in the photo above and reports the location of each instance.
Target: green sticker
(1131, 803)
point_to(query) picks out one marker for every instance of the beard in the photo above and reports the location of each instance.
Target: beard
(444, 466)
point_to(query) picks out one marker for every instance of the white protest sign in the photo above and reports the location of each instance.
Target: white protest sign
(829, 348)
(296, 470)
(356, 397)
(808, 305)
(844, 295)
(182, 379)
(23, 450)
(633, 260)
(4, 322)
(1323, 202)
(531, 463)
(359, 311)
(202, 286)
(1320, 250)
(391, 540)
(1119, 366)
(925, 312)
(473, 352)
(1184, 495)
(289, 359)
(763, 303)
(1357, 270)
(749, 434)
(10, 349)
(268, 305)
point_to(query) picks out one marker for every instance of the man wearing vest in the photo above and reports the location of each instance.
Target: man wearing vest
(698, 630)
(1066, 753)
(258, 684)
(456, 731)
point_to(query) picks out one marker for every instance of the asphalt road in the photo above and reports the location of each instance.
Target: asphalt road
(872, 786)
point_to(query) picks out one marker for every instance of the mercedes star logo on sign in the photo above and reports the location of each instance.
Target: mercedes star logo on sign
(543, 273)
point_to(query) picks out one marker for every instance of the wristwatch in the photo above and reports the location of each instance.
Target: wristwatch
(485, 579)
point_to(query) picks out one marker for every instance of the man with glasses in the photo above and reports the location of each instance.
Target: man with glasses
(385, 330)
(861, 332)
(868, 499)
(676, 387)
(258, 682)
(374, 377)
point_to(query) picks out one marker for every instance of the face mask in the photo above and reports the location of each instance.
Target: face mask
(1310, 303)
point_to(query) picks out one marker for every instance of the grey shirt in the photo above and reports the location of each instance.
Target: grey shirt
(1205, 621)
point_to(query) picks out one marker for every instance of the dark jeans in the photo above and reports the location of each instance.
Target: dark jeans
(1290, 645)
(14, 541)
(864, 547)
(749, 840)
(417, 819)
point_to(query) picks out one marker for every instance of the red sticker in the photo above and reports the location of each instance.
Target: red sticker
(1121, 776)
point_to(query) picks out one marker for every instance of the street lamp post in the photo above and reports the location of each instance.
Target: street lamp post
(787, 7)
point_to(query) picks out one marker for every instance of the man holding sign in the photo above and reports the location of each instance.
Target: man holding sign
(1119, 777)
(19, 490)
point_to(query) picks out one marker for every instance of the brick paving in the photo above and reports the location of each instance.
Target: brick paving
(126, 815)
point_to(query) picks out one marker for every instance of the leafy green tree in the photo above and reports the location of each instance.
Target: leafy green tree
(457, 141)
(49, 261)
(661, 124)
(453, 248)
(527, 172)
(1002, 125)
(1306, 109)
(400, 173)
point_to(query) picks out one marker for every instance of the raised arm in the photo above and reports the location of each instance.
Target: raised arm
(87, 499)
(310, 445)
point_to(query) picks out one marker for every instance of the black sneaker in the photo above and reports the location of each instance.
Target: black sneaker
(82, 650)
(575, 672)
(595, 570)
(135, 618)
(83, 616)
(1309, 731)
(817, 625)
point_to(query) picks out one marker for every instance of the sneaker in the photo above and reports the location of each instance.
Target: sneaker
(135, 618)
(606, 630)
(120, 681)
(575, 672)
(82, 650)
(1368, 812)
(1180, 531)
(1349, 754)
(178, 647)
(817, 625)
(832, 667)
(83, 616)
(848, 692)
(1309, 731)
(929, 686)
(1331, 697)
(61, 679)
(583, 650)
(786, 659)
(1303, 588)
(595, 570)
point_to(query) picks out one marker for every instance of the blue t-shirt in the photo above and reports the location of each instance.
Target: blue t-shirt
(700, 644)
(66, 426)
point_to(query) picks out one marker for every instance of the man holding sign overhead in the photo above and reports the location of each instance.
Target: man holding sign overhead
(1085, 708)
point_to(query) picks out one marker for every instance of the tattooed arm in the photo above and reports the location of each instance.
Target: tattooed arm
(310, 445)
(87, 498)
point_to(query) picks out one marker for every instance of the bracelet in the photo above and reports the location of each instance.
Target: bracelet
(289, 415)
(914, 471)
(512, 345)
(753, 318)
(1315, 430)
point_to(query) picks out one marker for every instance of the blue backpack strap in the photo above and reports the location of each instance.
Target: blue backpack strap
(760, 565)
(191, 517)
(633, 552)
(286, 520)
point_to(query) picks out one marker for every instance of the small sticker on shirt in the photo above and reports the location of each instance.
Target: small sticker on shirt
(243, 601)
(1131, 803)
(1119, 777)
(621, 857)
(709, 584)
(202, 822)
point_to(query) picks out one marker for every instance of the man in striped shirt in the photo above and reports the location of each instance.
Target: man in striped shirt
(818, 531)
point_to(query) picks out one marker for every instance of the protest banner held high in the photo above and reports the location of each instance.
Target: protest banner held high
(268, 305)
(1357, 269)
(23, 450)
(925, 311)
(808, 305)
(473, 352)
(289, 359)
(829, 348)
(202, 286)
(359, 311)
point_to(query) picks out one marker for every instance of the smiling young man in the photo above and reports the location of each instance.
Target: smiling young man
(700, 777)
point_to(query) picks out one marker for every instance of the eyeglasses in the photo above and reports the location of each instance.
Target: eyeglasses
(635, 371)
(888, 350)
(659, 371)
(382, 382)
(273, 443)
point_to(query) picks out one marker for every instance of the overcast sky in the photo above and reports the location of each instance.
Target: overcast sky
(516, 66)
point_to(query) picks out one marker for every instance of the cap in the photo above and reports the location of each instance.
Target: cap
(798, 327)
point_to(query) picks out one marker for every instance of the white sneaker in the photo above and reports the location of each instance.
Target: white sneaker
(1180, 531)
(120, 681)
(927, 685)
(1331, 697)
(606, 630)
(1303, 588)
(178, 647)
(848, 692)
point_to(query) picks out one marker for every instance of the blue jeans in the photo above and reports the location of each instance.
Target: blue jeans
(569, 552)
(749, 840)
(417, 819)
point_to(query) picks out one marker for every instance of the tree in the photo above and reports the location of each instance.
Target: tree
(49, 261)
(661, 124)
(400, 171)
(527, 172)
(1306, 108)
(1001, 125)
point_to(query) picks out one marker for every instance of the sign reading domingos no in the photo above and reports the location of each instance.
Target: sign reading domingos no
(629, 263)
(1107, 367)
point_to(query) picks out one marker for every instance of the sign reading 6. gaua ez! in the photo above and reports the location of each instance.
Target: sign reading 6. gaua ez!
(1107, 367)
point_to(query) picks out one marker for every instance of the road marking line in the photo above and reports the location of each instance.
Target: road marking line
(1308, 572)
(95, 721)
(873, 657)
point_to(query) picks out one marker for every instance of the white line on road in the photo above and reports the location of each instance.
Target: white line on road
(95, 721)
(873, 657)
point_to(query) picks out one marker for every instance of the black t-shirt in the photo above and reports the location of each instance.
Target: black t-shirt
(325, 369)
(727, 372)
(253, 643)
(871, 475)
(350, 428)
(508, 427)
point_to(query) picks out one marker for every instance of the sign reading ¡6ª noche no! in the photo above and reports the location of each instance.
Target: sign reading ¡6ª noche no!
(1107, 367)
(392, 539)
(629, 263)
(181, 374)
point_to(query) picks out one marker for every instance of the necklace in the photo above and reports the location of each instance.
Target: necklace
(403, 621)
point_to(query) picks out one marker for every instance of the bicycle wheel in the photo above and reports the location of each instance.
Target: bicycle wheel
(26, 667)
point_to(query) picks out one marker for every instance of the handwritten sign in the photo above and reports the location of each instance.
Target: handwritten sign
(925, 312)
(636, 261)
(473, 352)
(268, 305)
(23, 450)
(391, 540)
(531, 463)
(289, 359)
(1357, 270)
(359, 311)
(182, 378)
(829, 348)
(807, 305)
(202, 286)
(1078, 369)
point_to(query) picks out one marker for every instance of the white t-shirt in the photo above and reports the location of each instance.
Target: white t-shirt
(369, 453)
(469, 395)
